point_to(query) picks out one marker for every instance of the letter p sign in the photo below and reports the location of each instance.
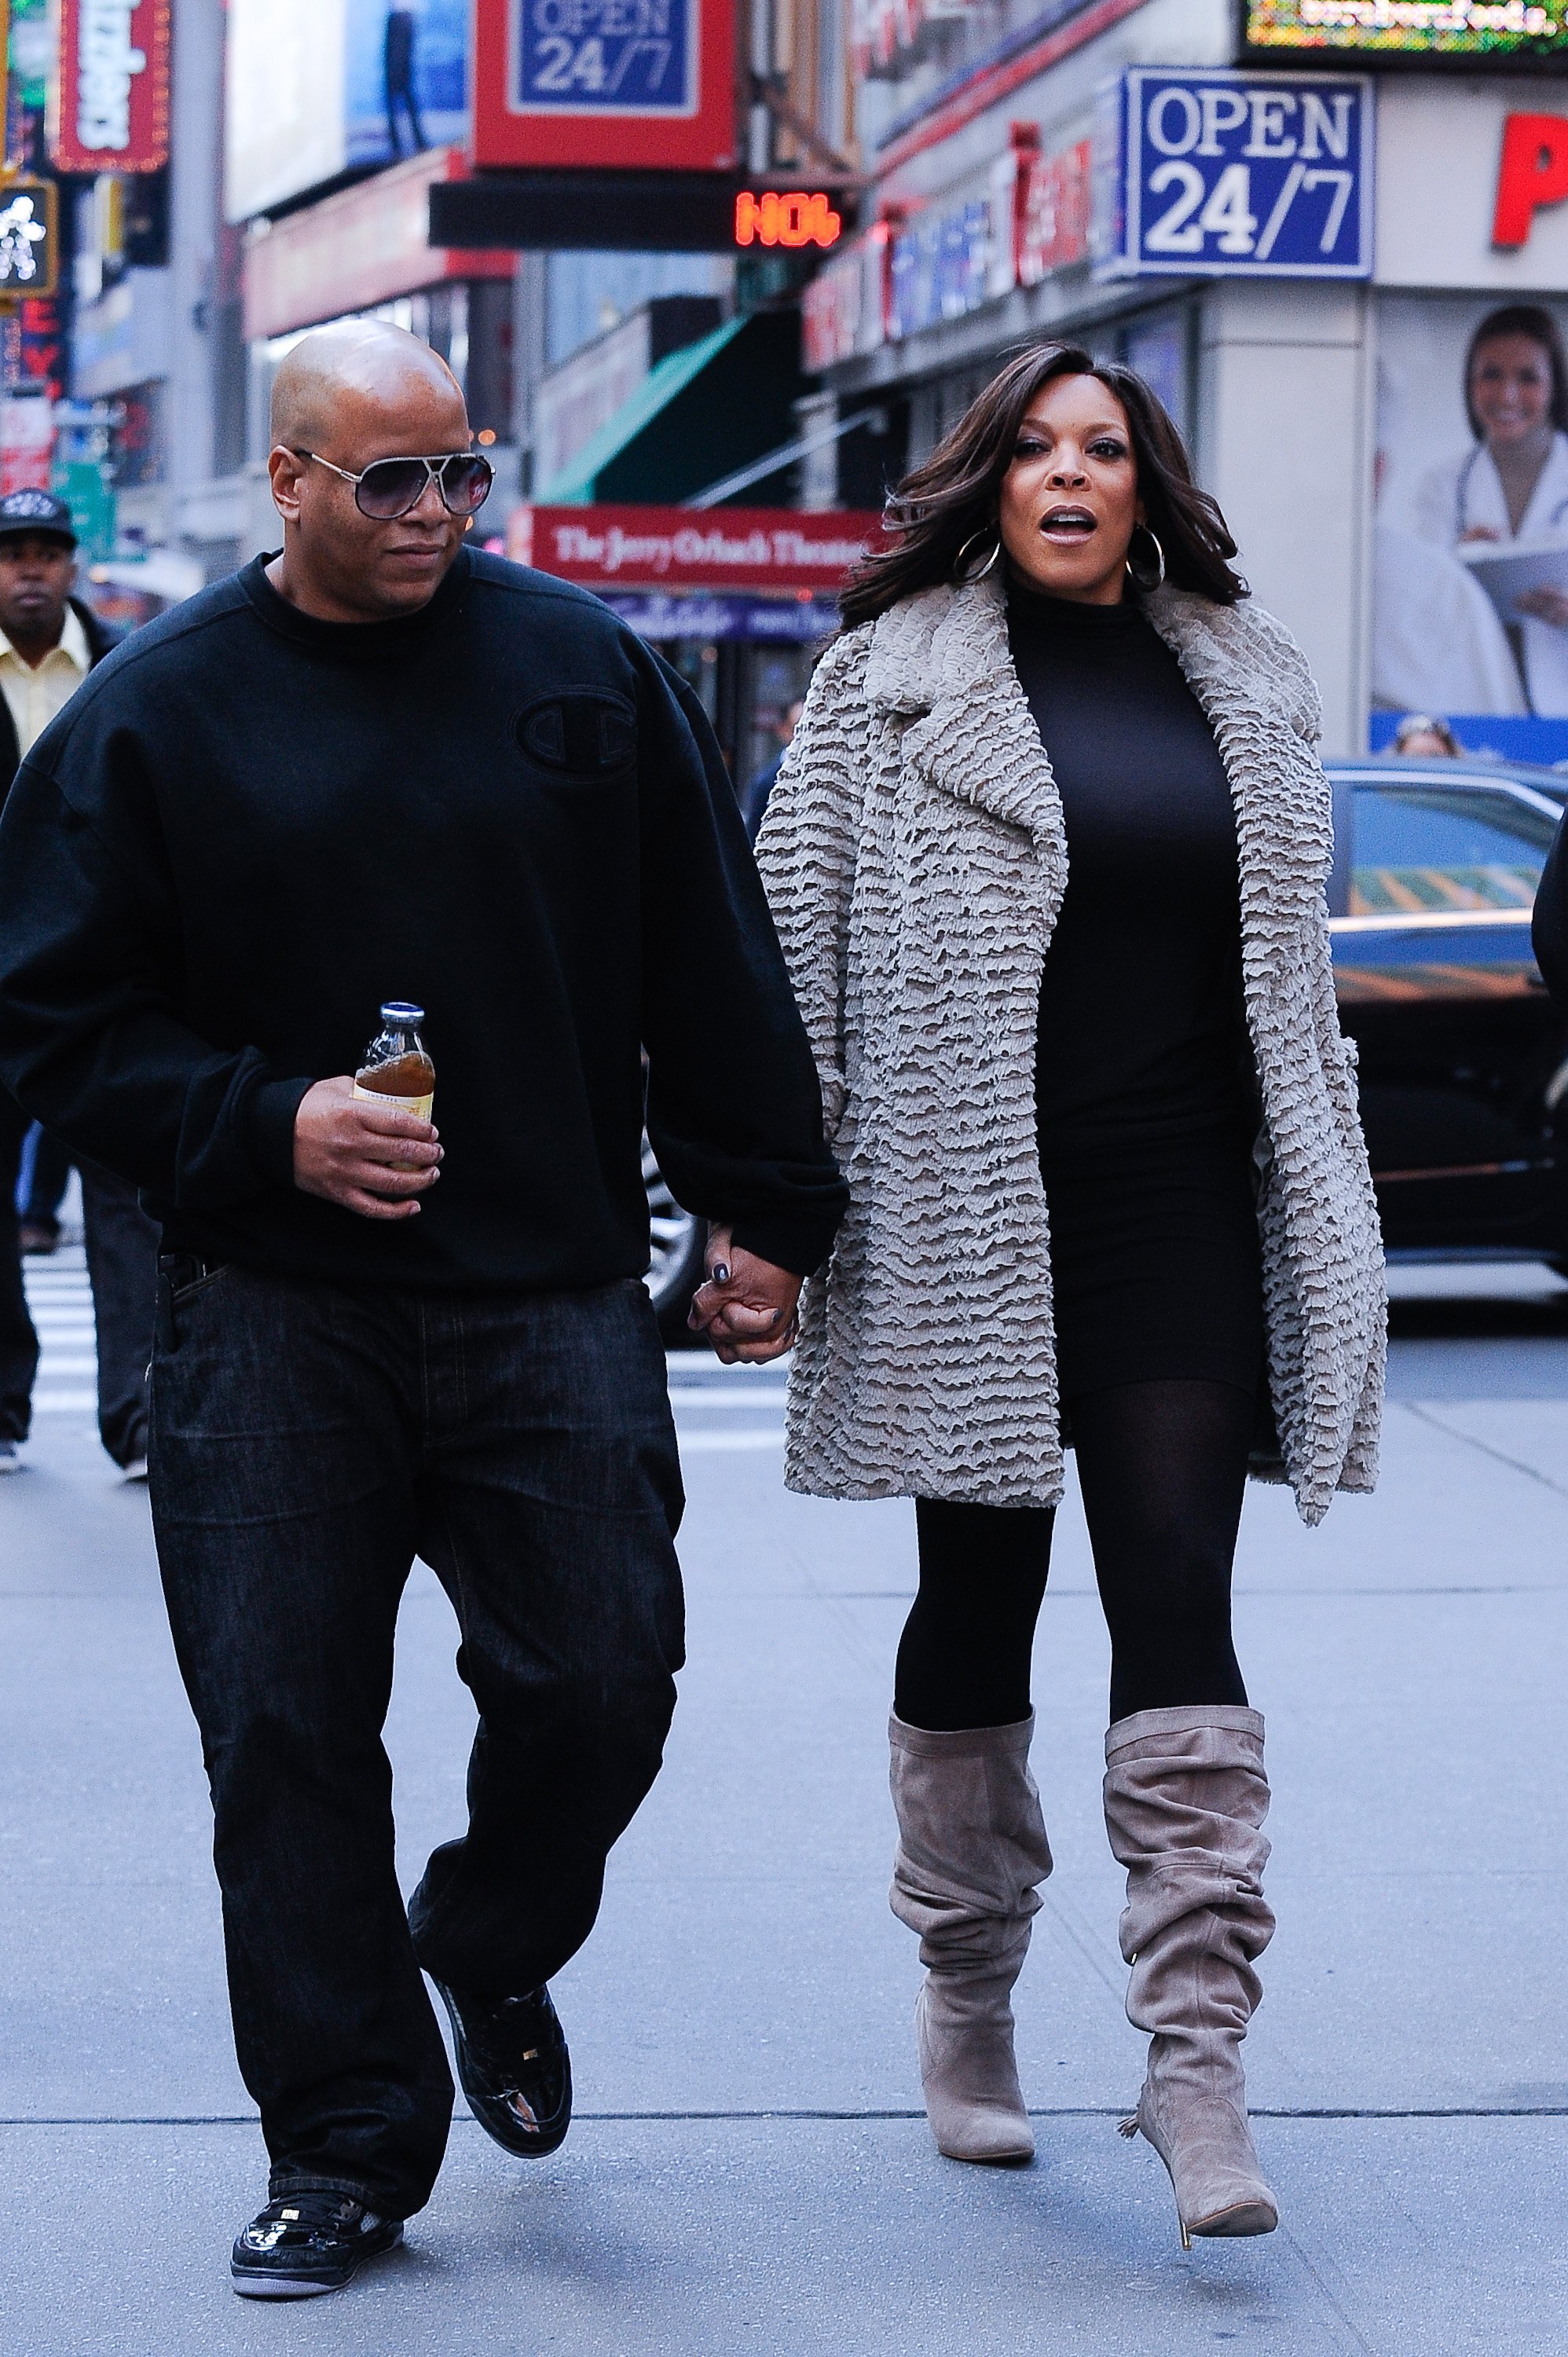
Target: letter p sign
(1533, 172)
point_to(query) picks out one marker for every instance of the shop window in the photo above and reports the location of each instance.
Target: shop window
(1418, 850)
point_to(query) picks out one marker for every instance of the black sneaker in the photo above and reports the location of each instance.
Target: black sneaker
(304, 2243)
(515, 2069)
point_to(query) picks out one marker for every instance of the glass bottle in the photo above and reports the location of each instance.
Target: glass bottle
(397, 1069)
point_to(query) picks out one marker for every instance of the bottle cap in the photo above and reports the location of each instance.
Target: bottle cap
(402, 1012)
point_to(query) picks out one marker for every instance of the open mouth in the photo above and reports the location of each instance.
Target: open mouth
(1068, 526)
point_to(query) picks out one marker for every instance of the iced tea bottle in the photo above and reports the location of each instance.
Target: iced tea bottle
(397, 1070)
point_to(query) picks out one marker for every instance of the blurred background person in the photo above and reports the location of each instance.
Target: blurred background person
(1512, 485)
(49, 640)
(40, 1191)
(754, 801)
(1421, 737)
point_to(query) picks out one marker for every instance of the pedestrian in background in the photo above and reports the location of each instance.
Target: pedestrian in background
(381, 762)
(754, 801)
(49, 640)
(1047, 860)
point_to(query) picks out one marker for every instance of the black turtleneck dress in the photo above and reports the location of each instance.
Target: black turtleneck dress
(1146, 1099)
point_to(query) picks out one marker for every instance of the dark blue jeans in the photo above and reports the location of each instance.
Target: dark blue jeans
(308, 1441)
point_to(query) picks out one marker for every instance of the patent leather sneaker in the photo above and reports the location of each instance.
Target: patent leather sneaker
(515, 2068)
(305, 2243)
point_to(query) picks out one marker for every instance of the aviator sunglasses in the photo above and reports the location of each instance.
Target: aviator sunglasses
(390, 487)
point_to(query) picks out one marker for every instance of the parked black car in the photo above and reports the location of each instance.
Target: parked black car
(1463, 1059)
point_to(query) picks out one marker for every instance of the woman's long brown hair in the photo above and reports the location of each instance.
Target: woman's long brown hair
(942, 504)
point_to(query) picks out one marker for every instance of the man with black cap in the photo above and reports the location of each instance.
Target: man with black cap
(49, 640)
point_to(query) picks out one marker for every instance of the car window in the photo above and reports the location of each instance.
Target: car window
(1424, 847)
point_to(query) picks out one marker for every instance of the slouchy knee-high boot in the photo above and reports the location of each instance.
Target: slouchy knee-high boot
(971, 1847)
(1185, 1797)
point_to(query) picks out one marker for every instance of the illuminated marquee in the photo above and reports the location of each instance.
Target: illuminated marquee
(1494, 30)
(794, 219)
(109, 103)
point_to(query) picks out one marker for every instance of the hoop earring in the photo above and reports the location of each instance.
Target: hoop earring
(966, 581)
(1141, 580)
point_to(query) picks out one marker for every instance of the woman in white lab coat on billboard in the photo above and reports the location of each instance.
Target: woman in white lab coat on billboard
(1512, 486)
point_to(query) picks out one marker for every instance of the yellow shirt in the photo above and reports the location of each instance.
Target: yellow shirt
(35, 693)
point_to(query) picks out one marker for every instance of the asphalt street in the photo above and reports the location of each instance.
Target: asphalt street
(749, 2168)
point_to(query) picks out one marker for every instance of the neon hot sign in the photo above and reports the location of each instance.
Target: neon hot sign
(792, 220)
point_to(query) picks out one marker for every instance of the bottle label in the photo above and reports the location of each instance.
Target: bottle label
(420, 1105)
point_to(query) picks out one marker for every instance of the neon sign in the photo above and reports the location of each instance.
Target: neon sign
(793, 221)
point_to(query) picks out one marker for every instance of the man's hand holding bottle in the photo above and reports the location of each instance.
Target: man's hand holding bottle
(373, 1159)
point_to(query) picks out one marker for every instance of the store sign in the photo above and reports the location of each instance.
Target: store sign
(1025, 217)
(700, 614)
(843, 311)
(778, 549)
(1484, 32)
(1052, 211)
(790, 220)
(109, 108)
(605, 83)
(1532, 172)
(26, 442)
(1210, 174)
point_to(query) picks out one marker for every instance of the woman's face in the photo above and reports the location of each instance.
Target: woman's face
(1069, 499)
(1510, 390)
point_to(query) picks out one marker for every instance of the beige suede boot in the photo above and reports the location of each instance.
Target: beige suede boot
(971, 1847)
(1185, 1797)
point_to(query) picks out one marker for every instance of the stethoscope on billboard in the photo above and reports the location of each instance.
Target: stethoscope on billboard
(1461, 500)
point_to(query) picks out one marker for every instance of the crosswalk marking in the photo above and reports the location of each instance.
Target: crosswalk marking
(60, 1298)
(59, 1301)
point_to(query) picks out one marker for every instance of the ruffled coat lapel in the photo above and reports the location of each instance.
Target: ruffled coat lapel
(941, 661)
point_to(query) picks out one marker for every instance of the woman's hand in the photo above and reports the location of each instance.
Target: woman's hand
(746, 1306)
(1544, 605)
(372, 1160)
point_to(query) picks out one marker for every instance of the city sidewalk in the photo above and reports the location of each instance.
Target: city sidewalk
(749, 2168)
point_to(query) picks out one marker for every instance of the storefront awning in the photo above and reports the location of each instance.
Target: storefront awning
(701, 413)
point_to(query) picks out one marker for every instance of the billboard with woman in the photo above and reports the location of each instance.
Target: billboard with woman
(1470, 613)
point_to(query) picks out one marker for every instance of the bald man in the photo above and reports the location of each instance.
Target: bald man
(383, 765)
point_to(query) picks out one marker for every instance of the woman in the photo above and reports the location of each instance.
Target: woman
(1047, 860)
(1512, 484)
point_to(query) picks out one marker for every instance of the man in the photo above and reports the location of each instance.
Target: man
(48, 643)
(755, 800)
(382, 765)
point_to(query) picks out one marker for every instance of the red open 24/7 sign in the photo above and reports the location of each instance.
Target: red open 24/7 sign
(109, 108)
(602, 84)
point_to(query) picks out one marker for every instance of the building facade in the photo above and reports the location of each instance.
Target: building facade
(1111, 172)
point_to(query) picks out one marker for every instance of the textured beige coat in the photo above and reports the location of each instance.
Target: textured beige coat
(914, 857)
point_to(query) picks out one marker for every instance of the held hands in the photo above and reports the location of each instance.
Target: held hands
(746, 1307)
(374, 1161)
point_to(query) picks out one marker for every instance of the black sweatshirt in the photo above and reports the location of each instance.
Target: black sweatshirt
(249, 828)
(1142, 1040)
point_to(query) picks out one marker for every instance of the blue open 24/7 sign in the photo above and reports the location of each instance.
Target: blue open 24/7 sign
(605, 57)
(1201, 173)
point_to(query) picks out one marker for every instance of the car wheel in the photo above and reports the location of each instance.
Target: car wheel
(677, 1239)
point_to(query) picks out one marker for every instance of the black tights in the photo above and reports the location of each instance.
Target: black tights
(1162, 1468)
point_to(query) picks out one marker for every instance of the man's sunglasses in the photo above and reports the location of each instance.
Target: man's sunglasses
(390, 487)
